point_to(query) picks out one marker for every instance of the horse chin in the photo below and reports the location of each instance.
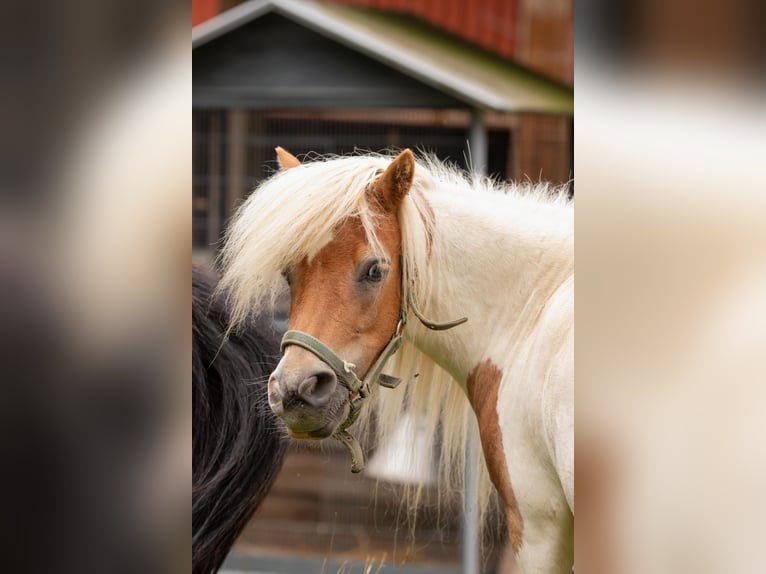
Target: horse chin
(331, 424)
(317, 434)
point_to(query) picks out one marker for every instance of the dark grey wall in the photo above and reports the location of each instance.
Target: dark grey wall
(275, 63)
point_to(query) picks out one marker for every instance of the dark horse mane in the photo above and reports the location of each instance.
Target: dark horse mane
(238, 442)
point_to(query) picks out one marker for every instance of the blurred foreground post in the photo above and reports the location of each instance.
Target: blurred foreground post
(477, 152)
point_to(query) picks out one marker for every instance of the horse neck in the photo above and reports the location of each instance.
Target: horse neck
(496, 259)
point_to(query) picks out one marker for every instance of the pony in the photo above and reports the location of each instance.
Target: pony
(238, 446)
(374, 249)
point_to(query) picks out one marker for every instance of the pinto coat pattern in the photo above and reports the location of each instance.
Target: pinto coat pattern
(357, 236)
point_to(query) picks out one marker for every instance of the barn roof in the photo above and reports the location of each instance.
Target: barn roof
(461, 72)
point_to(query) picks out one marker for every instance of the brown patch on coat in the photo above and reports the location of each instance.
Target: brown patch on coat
(483, 385)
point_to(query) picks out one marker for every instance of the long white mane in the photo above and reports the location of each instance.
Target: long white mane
(294, 214)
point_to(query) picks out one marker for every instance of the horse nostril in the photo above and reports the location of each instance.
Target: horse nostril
(274, 395)
(317, 389)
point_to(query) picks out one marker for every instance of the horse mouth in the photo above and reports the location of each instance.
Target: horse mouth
(316, 434)
(324, 426)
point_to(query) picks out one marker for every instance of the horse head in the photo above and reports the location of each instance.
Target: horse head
(346, 310)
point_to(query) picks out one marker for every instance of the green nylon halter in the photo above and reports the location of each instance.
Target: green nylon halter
(359, 389)
(346, 373)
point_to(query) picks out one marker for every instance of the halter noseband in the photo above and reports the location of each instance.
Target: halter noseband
(358, 389)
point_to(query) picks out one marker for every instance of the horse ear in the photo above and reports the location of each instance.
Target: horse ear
(391, 188)
(286, 159)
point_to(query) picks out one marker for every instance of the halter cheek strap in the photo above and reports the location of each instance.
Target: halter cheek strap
(346, 372)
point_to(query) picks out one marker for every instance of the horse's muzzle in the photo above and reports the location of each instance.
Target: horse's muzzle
(305, 398)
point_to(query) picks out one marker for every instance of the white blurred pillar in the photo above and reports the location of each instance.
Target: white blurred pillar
(477, 148)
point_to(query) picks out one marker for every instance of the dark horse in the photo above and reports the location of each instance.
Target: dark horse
(238, 442)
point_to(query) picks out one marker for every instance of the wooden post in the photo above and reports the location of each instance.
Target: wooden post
(214, 181)
(237, 156)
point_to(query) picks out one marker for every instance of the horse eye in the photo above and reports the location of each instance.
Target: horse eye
(375, 273)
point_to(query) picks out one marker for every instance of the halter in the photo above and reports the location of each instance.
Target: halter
(358, 389)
